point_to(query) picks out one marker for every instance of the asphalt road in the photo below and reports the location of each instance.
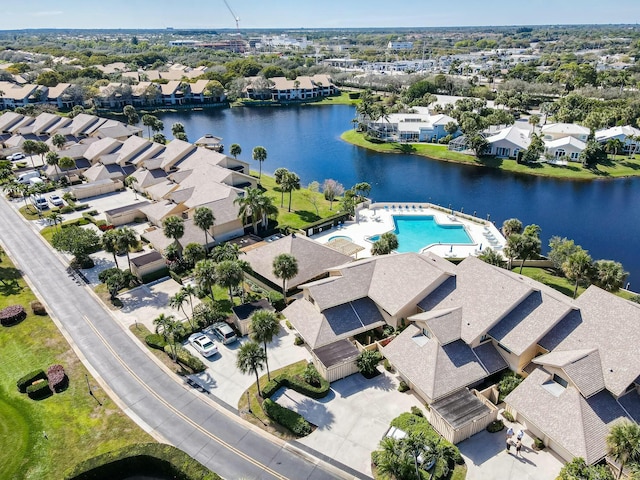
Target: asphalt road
(160, 404)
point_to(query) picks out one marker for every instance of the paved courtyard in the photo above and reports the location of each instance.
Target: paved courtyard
(487, 458)
(353, 418)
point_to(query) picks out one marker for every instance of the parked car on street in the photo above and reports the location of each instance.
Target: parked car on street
(56, 201)
(223, 331)
(16, 156)
(203, 345)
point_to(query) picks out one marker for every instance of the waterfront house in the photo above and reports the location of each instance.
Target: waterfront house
(629, 137)
(507, 142)
(555, 131)
(14, 95)
(568, 148)
(283, 89)
(411, 127)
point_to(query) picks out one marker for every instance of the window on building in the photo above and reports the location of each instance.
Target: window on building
(484, 338)
(560, 381)
(426, 332)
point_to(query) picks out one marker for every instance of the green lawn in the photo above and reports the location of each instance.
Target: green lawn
(76, 427)
(302, 210)
(561, 284)
(621, 167)
(342, 99)
(258, 417)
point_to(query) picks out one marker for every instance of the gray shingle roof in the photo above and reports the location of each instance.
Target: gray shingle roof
(485, 293)
(434, 369)
(444, 324)
(490, 358)
(579, 425)
(313, 258)
(607, 323)
(460, 408)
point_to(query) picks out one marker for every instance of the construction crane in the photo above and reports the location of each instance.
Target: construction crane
(235, 17)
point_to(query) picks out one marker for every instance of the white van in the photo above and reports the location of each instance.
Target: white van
(35, 181)
(26, 176)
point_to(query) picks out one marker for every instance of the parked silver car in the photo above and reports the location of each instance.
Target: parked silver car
(223, 331)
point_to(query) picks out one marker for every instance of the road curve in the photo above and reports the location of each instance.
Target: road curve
(164, 407)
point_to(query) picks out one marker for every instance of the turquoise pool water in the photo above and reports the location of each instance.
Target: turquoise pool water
(416, 232)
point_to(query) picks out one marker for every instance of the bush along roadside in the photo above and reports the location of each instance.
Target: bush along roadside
(295, 422)
(298, 384)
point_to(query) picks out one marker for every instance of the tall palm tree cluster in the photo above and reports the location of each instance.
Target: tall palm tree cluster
(258, 206)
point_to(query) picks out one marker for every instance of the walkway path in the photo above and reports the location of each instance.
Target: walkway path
(156, 400)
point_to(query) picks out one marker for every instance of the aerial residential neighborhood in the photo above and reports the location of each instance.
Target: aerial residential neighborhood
(230, 248)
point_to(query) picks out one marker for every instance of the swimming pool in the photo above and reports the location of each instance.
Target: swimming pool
(416, 232)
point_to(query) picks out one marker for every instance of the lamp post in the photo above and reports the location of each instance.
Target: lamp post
(91, 391)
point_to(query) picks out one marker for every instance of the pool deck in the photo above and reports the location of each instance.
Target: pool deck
(378, 218)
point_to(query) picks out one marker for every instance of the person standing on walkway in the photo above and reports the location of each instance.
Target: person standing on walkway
(518, 448)
(508, 445)
(509, 433)
(520, 435)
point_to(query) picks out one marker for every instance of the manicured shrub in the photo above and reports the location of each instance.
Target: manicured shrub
(311, 375)
(39, 390)
(403, 387)
(416, 411)
(270, 388)
(12, 314)
(104, 227)
(81, 206)
(507, 416)
(287, 418)
(367, 362)
(387, 365)
(155, 341)
(29, 378)
(175, 276)
(507, 384)
(495, 426)
(288, 324)
(185, 358)
(276, 299)
(57, 378)
(37, 308)
(538, 444)
(66, 209)
(298, 340)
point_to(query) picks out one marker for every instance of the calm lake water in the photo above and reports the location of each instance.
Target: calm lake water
(601, 215)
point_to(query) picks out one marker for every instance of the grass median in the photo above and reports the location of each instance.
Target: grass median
(42, 439)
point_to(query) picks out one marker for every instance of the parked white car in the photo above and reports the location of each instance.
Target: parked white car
(16, 156)
(56, 201)
(203, 345)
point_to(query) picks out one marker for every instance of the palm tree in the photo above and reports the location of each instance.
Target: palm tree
(66, 163)
(264, 326)
(53, 159)
(229, 274)
(260, 155)
(55, 217)
(609, 275)
(623, 443)
(149, 121)
(613, 145)
(170, 329)
(205, 275)
(492, 257)
(578, 267)
(249, 205)
(177, 301)
(58, 141)
(279, 175)
(285, 266)
(42, 149)
(29, 147)
(173, 228)
(109, 243)
(190, 292)
(251, 358)
(127, 239)
(235, 150)
(130, 181)
(267, 209)
(226, 251)
(177, 128)
(290, 182)
(203, 219)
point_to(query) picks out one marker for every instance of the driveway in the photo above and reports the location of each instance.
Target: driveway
(223, 379)
(488, 459)
(353, 418)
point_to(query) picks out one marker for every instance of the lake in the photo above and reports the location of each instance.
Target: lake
(600, 215)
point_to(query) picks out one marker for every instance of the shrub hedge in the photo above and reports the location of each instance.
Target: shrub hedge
(12, 314)
(80, 206)
(186, 359)
(507, 416)
(287, 418)
(29, 378)
(39, 390)
(66, 209)
(155, 341)
(37, 308)
(142, 459)
(403, 387)
(298, 384)
(495, 426)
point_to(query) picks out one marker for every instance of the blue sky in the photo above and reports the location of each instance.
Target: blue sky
(17, 14)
